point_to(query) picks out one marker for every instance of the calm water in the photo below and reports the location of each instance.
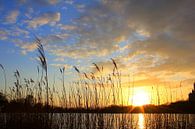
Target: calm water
(99, 121)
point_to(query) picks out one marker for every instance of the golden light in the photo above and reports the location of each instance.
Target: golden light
(141, 121)
(141, 98)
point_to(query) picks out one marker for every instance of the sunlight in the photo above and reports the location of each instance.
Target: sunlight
(141, 98)
(141, 121)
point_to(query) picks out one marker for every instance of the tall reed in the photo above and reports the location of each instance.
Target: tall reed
(43, 63)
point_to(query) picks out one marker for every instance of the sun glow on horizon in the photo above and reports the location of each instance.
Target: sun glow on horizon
(140, 98)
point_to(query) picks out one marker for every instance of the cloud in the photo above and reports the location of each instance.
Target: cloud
(174, 54)
(61, 65)
(27, 47)
(53, 1)
(43, 2)
(16, 31)
(55, 38)
(162, 32)
(22, 1)
(152, 36)
(12, 31)
(69, 1)
(157, 38)
(73, 52)
(59, 59)
(46, 18)
(50, 42)
(67, 27)
(101, 25)
(3, 35)
(101, 28)
(12, 16)
(80, 7)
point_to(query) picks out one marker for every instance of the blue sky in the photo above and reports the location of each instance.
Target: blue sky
(152, 40)
(16, 30)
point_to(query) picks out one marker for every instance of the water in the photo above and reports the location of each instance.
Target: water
(96, 121)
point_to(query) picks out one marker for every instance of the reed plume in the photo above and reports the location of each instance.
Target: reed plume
(43, 63)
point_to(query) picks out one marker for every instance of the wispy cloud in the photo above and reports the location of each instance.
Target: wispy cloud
(61, 65)
(67, 27)
(46, 18)
(69, 1)
(43, 2)
(26, 47)
(12, 16)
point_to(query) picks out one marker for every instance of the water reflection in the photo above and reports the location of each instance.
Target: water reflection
(192, 120)
(96, 121)
(141, 121)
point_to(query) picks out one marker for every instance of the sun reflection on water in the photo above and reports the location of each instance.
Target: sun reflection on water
(141, 121)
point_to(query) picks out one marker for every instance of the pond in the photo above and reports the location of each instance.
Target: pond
(96, 121)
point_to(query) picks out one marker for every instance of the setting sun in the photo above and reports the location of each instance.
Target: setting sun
(140, 98)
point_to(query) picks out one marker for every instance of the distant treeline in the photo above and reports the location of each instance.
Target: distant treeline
(27, 105)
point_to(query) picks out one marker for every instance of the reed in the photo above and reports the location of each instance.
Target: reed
(5, 79)
(64, 94)
(43, 63)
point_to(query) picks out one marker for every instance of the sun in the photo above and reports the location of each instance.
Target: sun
(140, 98)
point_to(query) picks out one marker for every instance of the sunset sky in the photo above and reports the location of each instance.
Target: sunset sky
(152, 41)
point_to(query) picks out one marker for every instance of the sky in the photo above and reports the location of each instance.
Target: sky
(153, 41)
